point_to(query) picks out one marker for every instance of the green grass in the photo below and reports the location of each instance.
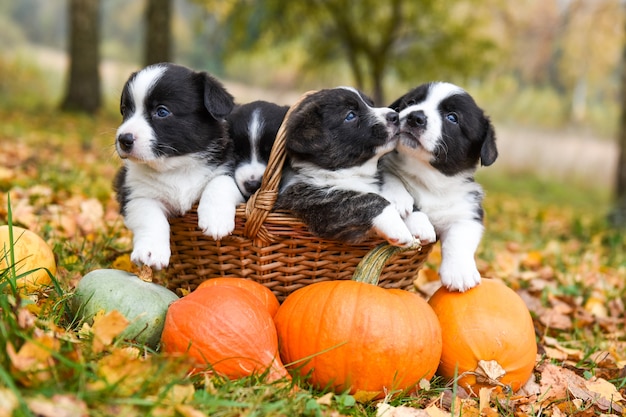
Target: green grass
(543, 191)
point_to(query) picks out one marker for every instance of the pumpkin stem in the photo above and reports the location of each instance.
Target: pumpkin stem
(371, 266)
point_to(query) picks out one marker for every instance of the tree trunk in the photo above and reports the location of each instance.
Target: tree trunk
(83, 84)
(158, 34)
(618, 216)
(377, 66)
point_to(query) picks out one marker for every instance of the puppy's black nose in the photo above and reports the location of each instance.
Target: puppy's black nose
(126, 141)
(251, 186)
(393, 118)
(416, 119)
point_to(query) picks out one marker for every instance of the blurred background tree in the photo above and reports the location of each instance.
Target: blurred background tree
(83, 81)
(567, 48)
(618, 215)
(521, 57)
(405, 39)
(158, 32)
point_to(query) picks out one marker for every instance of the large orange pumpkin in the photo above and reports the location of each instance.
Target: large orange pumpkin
(488, 336)
(225, 328)
(355, 336)
(263, 293)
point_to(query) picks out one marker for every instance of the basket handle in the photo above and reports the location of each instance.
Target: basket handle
(262, 201)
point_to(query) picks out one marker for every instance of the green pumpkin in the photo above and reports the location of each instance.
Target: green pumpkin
(143, 303)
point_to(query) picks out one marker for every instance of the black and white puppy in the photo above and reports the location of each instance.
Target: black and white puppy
(334, 140)
(176, 152)
(253, 128)
(444, 136)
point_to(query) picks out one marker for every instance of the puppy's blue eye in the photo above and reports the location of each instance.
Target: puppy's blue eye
(452, 117)
(350, 116)
(162, 112)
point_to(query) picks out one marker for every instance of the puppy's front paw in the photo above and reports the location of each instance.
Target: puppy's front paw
(390, 226)
(421, 227)
(459, 275)
(394, 191)
(153, 255)
(216, 222)
(403, 202)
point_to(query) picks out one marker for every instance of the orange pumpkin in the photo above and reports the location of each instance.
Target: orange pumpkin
(225, 328)
(263, 293)
(488, 336)
(34, 260)
(352, 335)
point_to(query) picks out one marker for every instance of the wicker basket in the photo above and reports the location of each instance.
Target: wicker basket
(273, 247)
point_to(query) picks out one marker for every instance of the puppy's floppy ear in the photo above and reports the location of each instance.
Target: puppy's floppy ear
(305, 123)
(217, 100)
(488, 151)
(396, 104)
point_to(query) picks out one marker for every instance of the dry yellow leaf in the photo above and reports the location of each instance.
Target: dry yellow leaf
(188, 411)
(597, 306)
(432, 411)
(555, 350)
(533, 260)
(124, 368)
(602, 395)
(325, 399)
(34, 359)
(605, 389)
(386, 410)
(106, 327)
(484, 395)
(6, 173)
(8, 402)
(179, 394)
(58, 406)
(124, 263)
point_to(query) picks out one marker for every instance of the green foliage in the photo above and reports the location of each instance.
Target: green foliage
(522, 58)
(40, 22)
(509, 101)
(413, 40)
(24, 85)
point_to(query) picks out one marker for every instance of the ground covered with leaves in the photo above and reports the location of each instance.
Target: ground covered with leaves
(549, 243)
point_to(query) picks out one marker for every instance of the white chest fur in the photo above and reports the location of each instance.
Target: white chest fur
(177, 186)
(443, 198)
(361, 178)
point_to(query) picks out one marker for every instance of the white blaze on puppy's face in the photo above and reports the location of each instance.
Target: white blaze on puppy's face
(135, 129)
(381, 115)
(423, 122)
(249, 174)
(384, 115)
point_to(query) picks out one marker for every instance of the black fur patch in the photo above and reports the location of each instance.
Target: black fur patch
(319, 132)
(341, 214)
